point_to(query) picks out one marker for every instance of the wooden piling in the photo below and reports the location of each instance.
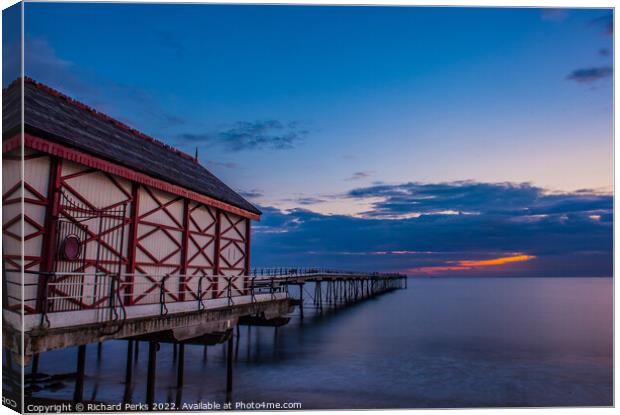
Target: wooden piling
(237, 343)
(78, 393)
(129, 364)
(128, 372)
(150, 376)
(180, 365)
(301, 301)
(229, 370)
(34, 369)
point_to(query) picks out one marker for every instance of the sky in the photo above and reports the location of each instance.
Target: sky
(431, 141)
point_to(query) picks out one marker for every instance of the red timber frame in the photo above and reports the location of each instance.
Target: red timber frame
(201, 238)
(51, 217)
(30, 196)
(231, 237)
(13, 196)
(132, 242)
(201, 246)
(115, 256)
(174, 232)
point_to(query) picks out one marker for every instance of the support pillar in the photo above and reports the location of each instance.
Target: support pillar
(128, 371)
(150, 376)
(35, 366)
(180, 365)
(301, 301)
(237, 343)
(78, 393)
(229, 369)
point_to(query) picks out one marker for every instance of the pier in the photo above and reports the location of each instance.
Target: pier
(98, 312)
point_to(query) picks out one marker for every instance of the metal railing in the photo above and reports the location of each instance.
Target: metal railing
(112, 294)
(57, 292)
(308, 271)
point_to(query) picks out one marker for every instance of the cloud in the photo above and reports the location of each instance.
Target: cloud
(251, 194)
(589, 75)
(603, 52)
(225, 164)
(169, 40)
(518, 230)
(42, 63)
(518, 200)
(361, 175)
(606, 23)
(130, 104)
(552, 14)
(256, 135)
(310, 200)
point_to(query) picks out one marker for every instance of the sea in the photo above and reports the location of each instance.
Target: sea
(440, 343)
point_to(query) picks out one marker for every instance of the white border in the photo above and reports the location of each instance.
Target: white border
(479, 3)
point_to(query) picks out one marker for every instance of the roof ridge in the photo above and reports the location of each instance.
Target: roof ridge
(102, 116)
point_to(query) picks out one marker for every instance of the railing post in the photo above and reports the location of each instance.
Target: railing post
(252, 292)
(45, 322)
(163, 310)
(201, 305)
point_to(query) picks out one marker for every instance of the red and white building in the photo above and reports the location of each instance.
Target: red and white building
(96, 213)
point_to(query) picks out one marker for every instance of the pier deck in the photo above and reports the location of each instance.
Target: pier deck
(99, 310)
(79, 309)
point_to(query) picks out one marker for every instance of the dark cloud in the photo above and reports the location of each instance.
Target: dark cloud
(606, 23)
(225, 164)
(251, 194)
(256, 135)
(458, 197)
(589, 75)
(361, 175)
(148, 103)
(310, 200)
(169, 40)
(466, 197)
(553, 14)
(42, 63)
(567, 234)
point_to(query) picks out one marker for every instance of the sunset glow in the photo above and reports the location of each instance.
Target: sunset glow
(468, 264)
(496, 261)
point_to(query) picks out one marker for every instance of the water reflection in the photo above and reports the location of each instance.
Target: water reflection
(441, 343)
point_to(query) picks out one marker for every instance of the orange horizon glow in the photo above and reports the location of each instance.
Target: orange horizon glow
(495, 261)
(469, 264)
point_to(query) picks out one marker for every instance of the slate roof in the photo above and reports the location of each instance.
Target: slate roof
(50, 114)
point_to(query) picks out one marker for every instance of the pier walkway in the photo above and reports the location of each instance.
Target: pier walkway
(76, 309)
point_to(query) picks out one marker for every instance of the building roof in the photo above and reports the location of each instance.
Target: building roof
(54, 116)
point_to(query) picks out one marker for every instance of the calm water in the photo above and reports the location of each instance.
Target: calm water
(440, 343)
